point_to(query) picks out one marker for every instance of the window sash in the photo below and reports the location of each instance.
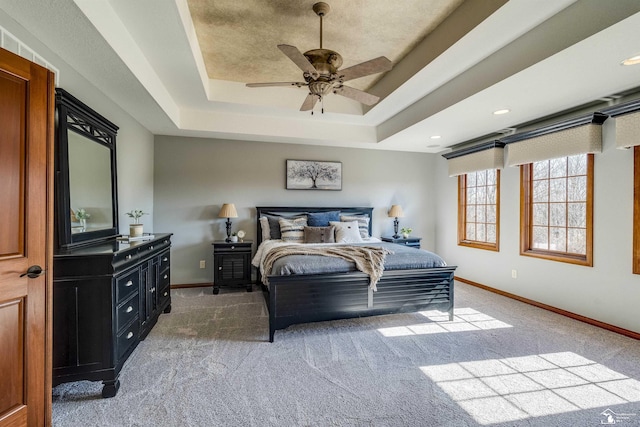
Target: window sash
(463, 238)
(527, 225)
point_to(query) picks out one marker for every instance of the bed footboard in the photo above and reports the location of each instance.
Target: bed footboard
(313, 298)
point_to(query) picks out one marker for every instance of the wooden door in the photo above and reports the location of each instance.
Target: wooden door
(26, 240)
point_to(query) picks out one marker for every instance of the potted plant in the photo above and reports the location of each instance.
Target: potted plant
(136, 228)
(234, 237)
(82, 215)
(405, 232)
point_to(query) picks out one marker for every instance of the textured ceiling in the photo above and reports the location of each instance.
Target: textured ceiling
(239, 39)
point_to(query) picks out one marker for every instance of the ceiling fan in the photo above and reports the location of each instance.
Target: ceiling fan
(321, 71)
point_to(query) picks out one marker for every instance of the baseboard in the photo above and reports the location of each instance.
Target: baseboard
(192, 285)
(575, 316)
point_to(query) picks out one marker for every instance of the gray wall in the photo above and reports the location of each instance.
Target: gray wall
(607, 292)
(194, 177)
(134, 142)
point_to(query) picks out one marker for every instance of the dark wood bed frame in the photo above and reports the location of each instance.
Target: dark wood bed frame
(319, 297)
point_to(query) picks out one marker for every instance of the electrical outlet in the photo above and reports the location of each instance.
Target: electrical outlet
(203, 263)
(514, 274)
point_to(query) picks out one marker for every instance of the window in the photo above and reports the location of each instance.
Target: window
(557, 209)
(636, 210)
(479, 209)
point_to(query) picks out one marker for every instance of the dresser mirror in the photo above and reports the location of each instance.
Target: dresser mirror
(86, 192)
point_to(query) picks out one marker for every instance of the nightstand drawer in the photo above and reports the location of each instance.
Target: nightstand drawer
(164, 279)
(164, 261)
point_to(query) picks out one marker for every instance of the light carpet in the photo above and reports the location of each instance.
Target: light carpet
(499, 363)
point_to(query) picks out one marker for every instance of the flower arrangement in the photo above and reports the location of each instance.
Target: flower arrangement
(406, 230)
(82, 214)
(136, 214)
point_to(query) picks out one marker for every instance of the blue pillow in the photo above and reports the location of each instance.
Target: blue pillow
(321, 219)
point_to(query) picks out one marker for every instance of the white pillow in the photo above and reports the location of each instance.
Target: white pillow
(347, 232)
(266, 231)
(363, 223)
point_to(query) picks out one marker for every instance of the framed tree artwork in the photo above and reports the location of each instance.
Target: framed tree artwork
(314, 175)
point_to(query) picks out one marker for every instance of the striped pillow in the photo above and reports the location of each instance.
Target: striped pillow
(292, 230)
(363, 223)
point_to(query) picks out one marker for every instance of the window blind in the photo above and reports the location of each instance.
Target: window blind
(478, 158)
(576, 136)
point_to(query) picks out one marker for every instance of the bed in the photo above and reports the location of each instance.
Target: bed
(313, 297)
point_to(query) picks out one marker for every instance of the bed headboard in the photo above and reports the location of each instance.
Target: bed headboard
(289, 211)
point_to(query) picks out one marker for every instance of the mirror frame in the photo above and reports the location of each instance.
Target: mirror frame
(72, 115)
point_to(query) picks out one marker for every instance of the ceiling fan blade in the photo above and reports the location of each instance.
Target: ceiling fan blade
(299, 59)
(358, 95)
(296, 84)
(372, 66)
(309, 102)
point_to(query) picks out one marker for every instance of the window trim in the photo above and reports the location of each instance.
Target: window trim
(526, 226)
(636, 210)
(462, 216)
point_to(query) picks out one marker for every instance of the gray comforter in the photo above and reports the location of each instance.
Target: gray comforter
(400, 258)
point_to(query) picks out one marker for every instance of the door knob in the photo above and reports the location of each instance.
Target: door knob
(33, 272)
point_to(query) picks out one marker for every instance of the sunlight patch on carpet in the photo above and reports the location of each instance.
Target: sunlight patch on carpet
(464, 320)
(517, 388)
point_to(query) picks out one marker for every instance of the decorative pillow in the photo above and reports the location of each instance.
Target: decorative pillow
(274, 224)
(321, 219)
(292, 230)
(264, 226)
(347, 232)
(320, 234)
(363, 223)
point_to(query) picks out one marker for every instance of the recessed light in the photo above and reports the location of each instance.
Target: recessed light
(631, 61)
(503, 111)
(436, 137)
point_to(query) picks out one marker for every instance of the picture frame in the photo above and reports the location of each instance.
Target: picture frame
(314, 175)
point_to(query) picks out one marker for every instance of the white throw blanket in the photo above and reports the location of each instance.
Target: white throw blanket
(368, 259)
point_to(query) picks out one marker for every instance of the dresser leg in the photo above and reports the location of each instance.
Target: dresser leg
(168, 309)
(216, 289)
(110, 388)
(250, 287)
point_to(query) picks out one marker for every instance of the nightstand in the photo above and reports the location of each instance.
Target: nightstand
(413, 242)
(232, 264)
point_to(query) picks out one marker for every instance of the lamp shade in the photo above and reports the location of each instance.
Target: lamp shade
(396, 211)
(228, 210)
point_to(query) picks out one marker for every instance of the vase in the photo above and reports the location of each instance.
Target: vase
(135, 230)
(234, 239)
(83, 224)
(405, 235)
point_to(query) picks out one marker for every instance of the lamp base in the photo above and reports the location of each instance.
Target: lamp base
(395, 228)
(228, 239)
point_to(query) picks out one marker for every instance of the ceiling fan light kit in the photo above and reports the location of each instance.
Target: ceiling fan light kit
(322, 74)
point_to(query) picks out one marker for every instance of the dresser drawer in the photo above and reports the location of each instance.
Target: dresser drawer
(127, 284)
(164, 261)
(127, 338)
(127, 311)
(164, 279)
(163, 297)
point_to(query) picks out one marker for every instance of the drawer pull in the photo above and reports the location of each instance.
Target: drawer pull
(165, 259)
(165, 276)
(220, 268)
(127, 257)
(152, 290)
(166, 293)
(130, 335)
(129, 283)
(129, 309)
(150, 247)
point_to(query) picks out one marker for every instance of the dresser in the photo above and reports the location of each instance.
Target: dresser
(232, 264)
(107, 296)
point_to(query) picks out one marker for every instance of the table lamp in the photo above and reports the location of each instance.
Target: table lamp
(228, 210)
(396, 211)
